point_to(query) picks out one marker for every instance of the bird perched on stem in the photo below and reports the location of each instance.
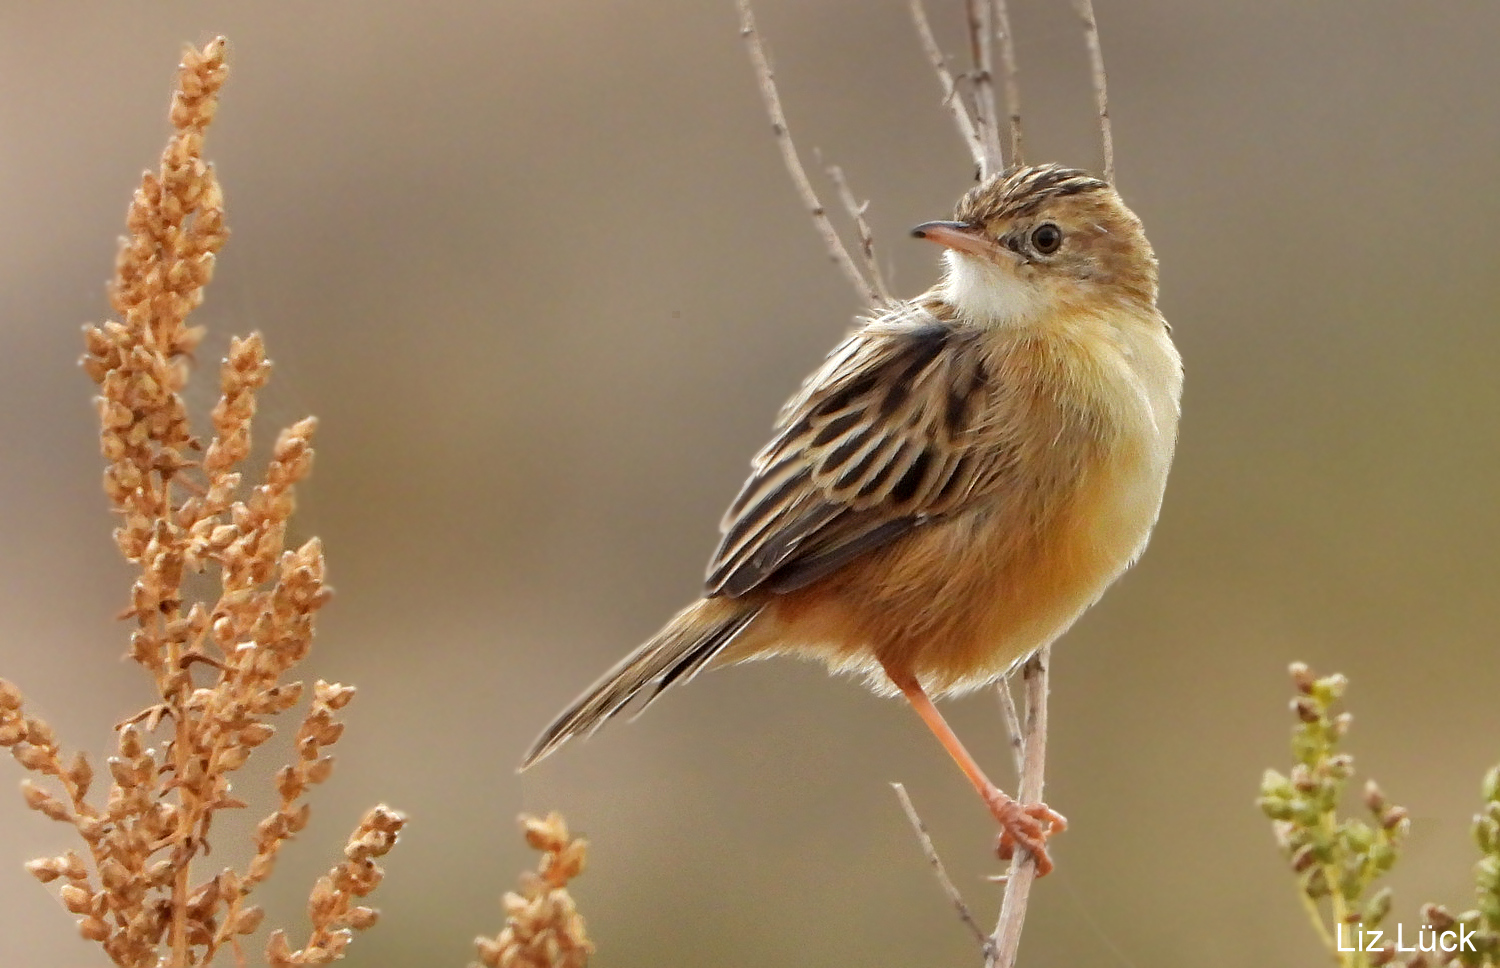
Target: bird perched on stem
(965, 474)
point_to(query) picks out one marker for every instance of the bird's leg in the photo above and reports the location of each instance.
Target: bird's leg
(1028, 824)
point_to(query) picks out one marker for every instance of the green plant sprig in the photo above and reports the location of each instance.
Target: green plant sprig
(1336, 860)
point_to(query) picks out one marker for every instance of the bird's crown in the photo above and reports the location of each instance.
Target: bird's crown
(1018, 192)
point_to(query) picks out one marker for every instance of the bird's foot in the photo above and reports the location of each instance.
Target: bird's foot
(1026, 824)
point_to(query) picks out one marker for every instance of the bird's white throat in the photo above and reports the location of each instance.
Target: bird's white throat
(989, 295)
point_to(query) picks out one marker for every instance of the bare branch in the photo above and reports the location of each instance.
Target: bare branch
(951, 99)
(1007, 936)
(856, 210)
(837, 251)
(930, 852)
(1012, 81)
(1085, 10)
(1012, 724)
(982, 53)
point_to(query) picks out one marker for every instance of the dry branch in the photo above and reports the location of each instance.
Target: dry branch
(1085, 10)
(1012, 81)
(1012, 725)
(837, 251)
(856, 212)
(1007, 936)
(952, 100)
(930, 852)
(980, 16)
(1029, 737)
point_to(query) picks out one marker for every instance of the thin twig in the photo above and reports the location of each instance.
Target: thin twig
(982, 53)
(856, 210)
(931, 853)
(951, 99)
(837, 251)
(1007, 936)
(1012, 724)
(1012, 80)
(1085, 10)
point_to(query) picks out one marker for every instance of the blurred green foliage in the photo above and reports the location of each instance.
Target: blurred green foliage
(1337, 861)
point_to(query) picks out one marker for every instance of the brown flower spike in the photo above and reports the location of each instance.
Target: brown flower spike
(543, 928)
(218, 661)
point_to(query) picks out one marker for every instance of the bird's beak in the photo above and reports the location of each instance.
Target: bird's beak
(960, 236)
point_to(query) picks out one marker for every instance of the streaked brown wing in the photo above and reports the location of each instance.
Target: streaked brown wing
(876, 443)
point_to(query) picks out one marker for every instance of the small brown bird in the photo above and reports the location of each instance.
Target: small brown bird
(965, 474)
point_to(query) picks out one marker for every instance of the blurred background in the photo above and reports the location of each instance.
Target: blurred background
(537, 269)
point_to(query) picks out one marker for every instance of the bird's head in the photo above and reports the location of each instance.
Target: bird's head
(1039, 240)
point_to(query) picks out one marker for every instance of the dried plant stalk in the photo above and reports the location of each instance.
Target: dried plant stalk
(1029, 740)
(217, 662)
(331, 906)
(1004, 943)
(869, 282)
(543, 928)
(980, 17)
(1012, 80)
(1085, 9)
(938, 869)
(952, 99)
(856, 210)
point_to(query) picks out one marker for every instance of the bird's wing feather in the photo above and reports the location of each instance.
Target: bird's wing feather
(877, 442)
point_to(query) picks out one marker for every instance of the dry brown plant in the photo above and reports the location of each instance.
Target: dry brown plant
(218, 660)
(543, 928)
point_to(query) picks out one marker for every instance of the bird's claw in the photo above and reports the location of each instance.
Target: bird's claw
(1026, 824)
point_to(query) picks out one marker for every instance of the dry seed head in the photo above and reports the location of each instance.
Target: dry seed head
(176, 514)
(93, 929)
(34, 758)
(549, 835)
(249, 920)
(46, 869)
(39, 733)
(81, 775)
(42, 802)
(76, 899)
(330, 905)
(543, 928)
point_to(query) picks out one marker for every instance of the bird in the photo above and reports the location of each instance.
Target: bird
(962, 477)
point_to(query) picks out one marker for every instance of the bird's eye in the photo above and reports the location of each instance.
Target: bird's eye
(1046, 238)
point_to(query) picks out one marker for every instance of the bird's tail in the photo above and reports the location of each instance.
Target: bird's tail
(678, 652)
